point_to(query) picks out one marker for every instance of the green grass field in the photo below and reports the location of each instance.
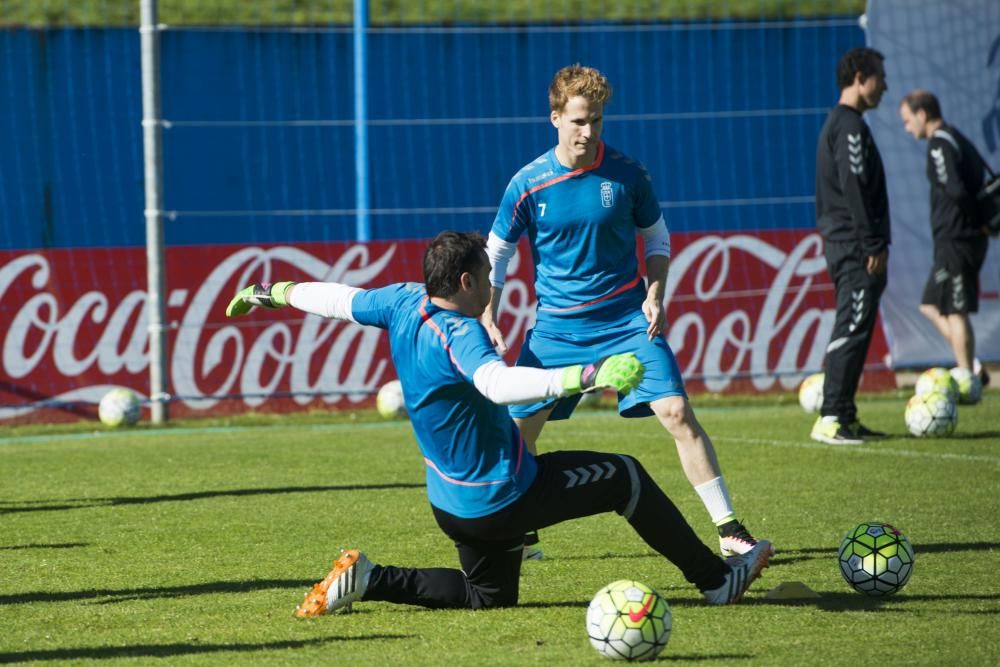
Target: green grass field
(193, 544)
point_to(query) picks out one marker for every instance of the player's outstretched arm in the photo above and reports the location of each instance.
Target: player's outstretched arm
(621, 372)
(329, 300)
(259, 295)
(506, 385)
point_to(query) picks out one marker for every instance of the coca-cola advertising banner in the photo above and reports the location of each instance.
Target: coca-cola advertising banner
(745, 312)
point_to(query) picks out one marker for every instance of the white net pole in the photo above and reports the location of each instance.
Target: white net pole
(153, 174)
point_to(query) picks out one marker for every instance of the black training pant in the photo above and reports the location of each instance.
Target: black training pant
(858, 295)
(569, 485)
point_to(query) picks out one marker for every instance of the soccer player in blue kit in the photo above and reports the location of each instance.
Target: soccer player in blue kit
(485, 488)
(581, 204)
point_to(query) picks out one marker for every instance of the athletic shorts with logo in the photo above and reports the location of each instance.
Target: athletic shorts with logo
(953, 285)
(554, 344)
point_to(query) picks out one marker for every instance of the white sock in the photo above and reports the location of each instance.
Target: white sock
(829, 418)
(715, 495)
(977, 366)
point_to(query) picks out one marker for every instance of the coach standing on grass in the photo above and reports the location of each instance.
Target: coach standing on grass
(852, 213)
(956, 172)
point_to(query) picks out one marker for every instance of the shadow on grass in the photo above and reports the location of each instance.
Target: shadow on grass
(124, 594)
(64, 545)
(980, 435)
(786, 557)
(78, 503)
(168, 650)
(848, 601)
(698, 657)
(607, 555)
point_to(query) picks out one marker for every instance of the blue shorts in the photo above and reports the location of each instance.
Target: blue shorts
(549, 348)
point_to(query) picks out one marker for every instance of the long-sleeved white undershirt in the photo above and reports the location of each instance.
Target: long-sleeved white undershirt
(499, 252)
(506, 385)
(657, 238)
(495, 380)
(332, 300)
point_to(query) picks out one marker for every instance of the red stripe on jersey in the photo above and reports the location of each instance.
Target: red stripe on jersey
(434, 327)
(559, 179)
(627, 286)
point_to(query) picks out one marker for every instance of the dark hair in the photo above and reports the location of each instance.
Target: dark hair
(863, 61)
(448, 256)
(923, 100)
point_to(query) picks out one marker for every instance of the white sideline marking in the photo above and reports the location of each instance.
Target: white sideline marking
(861, 449)
(811, 444)
(194, 430)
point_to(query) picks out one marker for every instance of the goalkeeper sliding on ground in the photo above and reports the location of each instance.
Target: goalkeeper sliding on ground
(485, 488)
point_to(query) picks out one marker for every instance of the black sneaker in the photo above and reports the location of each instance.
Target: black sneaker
(863, 431)
(531, 549)
(833, 433)
(735, 539)
(984, 376)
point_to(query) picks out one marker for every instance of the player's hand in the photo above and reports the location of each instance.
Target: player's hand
(263, 295)
(653, 310)
(877, 264)
(493, 331)
(621, 372)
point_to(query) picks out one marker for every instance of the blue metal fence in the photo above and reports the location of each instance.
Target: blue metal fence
(258, 145)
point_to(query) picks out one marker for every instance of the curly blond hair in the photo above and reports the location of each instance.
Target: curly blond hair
(577, 80)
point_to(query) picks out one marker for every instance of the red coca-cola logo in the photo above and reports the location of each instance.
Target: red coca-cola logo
(744, 312)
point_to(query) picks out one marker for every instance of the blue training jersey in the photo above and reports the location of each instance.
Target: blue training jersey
(582, 225)
(476, 461)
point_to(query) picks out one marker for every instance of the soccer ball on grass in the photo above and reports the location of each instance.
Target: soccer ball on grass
(970, 386)
(937, 379)
(119, 407)
(875, 559)
(811, 392)
(389, 401)
(628, 620)
(933, 414)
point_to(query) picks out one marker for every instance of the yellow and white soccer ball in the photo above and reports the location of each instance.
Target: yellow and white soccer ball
(811, 393)
(970, 386)
(937, 379)
(931, 414)
(627, 620)
(389, 401)
(119, 407)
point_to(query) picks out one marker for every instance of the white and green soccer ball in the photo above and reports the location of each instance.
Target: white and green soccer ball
(628, 620)
(875, 558)
(931, 414)
(811, 392)
(119, 407)
(970, 386)
(937, 379)
(389, 401)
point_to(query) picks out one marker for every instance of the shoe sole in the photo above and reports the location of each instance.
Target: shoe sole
(314, 603)
(761, 562)
(819, 437)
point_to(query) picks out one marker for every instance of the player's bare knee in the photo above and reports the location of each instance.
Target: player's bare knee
(676, 416)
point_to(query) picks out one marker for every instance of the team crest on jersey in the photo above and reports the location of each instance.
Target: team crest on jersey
(607, 195)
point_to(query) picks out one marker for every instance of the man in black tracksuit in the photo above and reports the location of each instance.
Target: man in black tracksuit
(852, 213)
(956, 172)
